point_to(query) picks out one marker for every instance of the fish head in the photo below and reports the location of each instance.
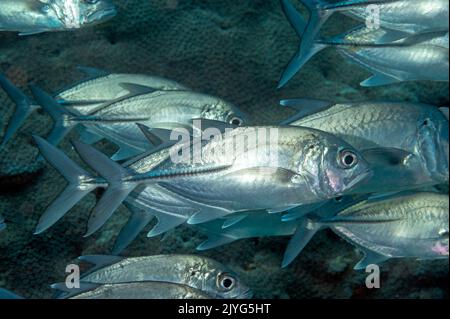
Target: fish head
(226, 112)
(333, 166)
(74, 14)
(432, 138)
(219, 281)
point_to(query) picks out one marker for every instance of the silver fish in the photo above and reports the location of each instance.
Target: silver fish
(85, 96)
(139, 290)
(417, 57)
(309, 166)
(408, 225)
(374, 47)
(409, 16)
(117, 120)
(197, 272)
(37, 16)
(408, 140)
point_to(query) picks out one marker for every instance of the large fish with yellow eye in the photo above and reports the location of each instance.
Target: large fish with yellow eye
(36, 16)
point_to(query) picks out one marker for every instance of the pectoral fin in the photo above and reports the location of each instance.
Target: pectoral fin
(379, 79)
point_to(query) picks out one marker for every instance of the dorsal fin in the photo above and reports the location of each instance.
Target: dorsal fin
(305, 108)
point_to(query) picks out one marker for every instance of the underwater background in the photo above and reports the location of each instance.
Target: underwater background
(232, 49)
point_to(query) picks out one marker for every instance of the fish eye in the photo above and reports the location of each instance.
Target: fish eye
(236, 121)
(226, 282)
(347, 159)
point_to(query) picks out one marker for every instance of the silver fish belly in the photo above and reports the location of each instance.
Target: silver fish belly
(142, 290)
(423, 58)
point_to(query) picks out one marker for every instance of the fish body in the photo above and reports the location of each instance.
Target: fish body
(295, 177)
(161, 109)
(410, 43)
(384, 226)
(414, 225)
(85, 96)
(296, 166)
(410, 16)
(142, 290)
(2, 223)
(420, 57)
(196, 272)
(37, 16)
(420, 130)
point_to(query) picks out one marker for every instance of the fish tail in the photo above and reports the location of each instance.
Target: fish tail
(24, 107)
(72, 194)
(307, 33)
(117, 191)
(306, 229)
(59, 114)
(136, 223)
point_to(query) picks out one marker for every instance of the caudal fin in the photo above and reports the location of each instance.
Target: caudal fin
(117, 189)
(72, 194)
(136, 223)
(59, 114)
(307, 32)
(24, 107)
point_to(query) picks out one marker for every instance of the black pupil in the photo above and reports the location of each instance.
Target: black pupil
(227, 283)
(338, 199)
(236, 122)
(348, 159)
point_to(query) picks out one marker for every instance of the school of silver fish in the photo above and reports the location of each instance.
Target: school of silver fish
(368, 170)
(401, 40)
